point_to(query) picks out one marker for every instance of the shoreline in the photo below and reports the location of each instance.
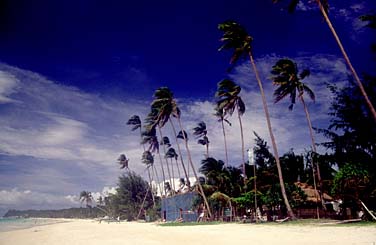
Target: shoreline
(92, 232)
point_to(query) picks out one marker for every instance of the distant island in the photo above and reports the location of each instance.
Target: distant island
(80, 213)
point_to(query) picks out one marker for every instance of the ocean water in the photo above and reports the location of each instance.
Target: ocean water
(9, 224)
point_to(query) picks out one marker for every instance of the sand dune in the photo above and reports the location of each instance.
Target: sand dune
(93, 233)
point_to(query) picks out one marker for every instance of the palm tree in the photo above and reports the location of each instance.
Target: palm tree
(228, 99)
(289, 81)
(166, 106)
(171, 153)
(123, 161)
(148, 160)
(236, 38)
(201, 132)
(221, 118)
(166, 142)
(324, 8)
(149, 136)
(85, 196)
(163, 107)
(135, 121)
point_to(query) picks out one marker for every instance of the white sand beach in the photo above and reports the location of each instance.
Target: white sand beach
(91, 232)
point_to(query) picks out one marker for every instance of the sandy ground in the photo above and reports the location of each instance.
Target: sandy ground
(91, 232)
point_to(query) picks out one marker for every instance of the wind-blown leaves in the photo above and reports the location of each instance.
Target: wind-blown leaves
(135, 122)
(285, 76)
(123, 161)
(165, 141)
(147, 159)
(182, 135)
(171, 153)
(203, 141)
(235, 38)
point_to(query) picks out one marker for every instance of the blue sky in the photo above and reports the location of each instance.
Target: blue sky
(73, 72)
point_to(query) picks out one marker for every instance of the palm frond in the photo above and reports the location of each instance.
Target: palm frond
(241, 106)
(309, 91)
(135, 121)
(305, 73)
(182, 135)
(165, 141)
(235, 38)
(200, 130)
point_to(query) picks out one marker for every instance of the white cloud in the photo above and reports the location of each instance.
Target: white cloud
(7, 85)
(27, 199)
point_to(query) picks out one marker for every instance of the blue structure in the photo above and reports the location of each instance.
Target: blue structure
(179, 206)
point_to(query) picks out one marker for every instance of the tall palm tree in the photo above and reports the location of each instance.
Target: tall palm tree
(221, 118)
(171, 153)
(85, 196)
(148, 160)
(166, 106)
(229, 100)
(166, 142)
(135, 122)
(289, 81)
(163, 107)
(236, 38)
(201, 132)
(324, 8)
(149, 137)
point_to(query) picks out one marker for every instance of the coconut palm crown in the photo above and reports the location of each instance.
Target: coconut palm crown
(287, 78)
(135, 122)
(236, 38)
(228, 97)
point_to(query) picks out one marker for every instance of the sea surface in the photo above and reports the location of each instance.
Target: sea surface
(9, 224)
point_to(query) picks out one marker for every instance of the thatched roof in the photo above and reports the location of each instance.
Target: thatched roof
(312, 195)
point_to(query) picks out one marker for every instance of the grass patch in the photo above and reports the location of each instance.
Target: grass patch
(191, 223)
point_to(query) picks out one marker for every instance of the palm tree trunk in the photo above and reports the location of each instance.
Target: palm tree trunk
(143, 203)
(242, 138)
(224, 137)
(315, 152)
(193, 169)
(255, 183)
(276, 156)
(155, 172)
(177, 143)
(348, 62)
(150, 178)
(150, 181)
(163, 173)
(164, 152)
(177, 165)
(173, 175)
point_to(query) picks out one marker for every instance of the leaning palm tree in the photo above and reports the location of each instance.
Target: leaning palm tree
(166, 142)
(201, 132)
(229, 100)
(221, 118)
(149, 137)
(148, 160)
(135, 122)
(166, 106)
(286, 76)
(324, 8)
(163, 108)
(171, 153)
(236, 38)
(184, 136)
